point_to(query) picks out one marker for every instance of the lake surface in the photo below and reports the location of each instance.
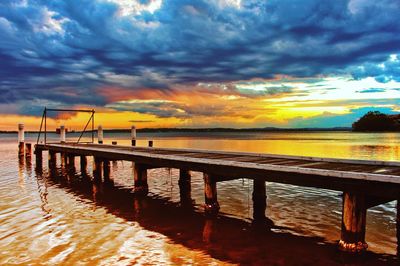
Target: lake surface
(62, 217)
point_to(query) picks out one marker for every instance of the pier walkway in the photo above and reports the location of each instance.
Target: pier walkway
(364, 183)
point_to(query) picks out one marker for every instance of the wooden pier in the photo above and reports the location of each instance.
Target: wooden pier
(364, 183)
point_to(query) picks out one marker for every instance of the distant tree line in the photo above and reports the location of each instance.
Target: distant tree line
(377, 121)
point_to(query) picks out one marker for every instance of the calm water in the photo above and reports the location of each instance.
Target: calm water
(62, 217)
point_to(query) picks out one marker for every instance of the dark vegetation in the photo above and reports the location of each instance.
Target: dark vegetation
(377, 121)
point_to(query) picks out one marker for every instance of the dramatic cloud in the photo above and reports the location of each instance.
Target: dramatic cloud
(149, 56)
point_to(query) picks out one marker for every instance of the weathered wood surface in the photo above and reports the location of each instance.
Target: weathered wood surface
(378, 178)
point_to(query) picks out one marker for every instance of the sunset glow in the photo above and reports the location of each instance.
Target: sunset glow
(214, 63)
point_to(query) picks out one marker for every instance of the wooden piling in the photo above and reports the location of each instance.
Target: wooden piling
(106, 170)
(259, 200)
(64, 159)
(62, 133)
(140, 178)
(39, 157)
(211, 205)
(52, 159)
(21, 139)
(97, 168)
(133, 136)
(150, 143)
(83, 161)
(71, 161)
(353, 223)
(185, 187)
(100, 134)
(28, 150)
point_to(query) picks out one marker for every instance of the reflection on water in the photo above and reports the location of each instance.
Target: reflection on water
(63, 216)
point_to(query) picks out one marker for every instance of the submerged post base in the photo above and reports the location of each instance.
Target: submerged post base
(211, 208)
(353, 223)
(141, 190)
(140, 178)
(352, 247)
(211, 205)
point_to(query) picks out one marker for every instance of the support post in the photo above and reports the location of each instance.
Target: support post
(150, 143)
(83, 162)
(106, 170)
(28, 150)
(353, 223)
(71, 161)
(64, 159)
(133, 136)
(185, 187)
(21, 139)
(210, 192)
(140, 178)
(52, 159)
(39, 158)
(100, 134)
(259, 200)
(97, 168)
(62, 134)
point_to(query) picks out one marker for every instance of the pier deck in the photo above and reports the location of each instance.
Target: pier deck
(365, 183)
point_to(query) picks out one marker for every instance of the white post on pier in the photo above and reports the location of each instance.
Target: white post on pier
(62, 133)
(133, 136)
(100, 134)
(21, 139)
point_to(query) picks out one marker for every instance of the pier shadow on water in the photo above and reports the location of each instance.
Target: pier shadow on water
(224, 238)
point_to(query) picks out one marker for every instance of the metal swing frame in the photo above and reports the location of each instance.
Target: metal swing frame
(44, 120)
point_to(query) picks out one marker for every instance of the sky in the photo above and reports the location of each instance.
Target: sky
(203, 63)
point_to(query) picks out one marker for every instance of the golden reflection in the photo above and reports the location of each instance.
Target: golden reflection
(319, 144)
(21, 172)
(43, 193)
(28, 162)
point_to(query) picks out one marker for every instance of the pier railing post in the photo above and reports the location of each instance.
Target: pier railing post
(100, 134)
(140, 178)
(62, 134)
(210, 193)
(353, 223)
(133, 136)
(21, 139)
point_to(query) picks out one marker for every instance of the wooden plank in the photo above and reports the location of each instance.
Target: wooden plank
(265, 155)
(293, 163)
(267, 167)
(308, 164)
(379, 185)
(272, 160)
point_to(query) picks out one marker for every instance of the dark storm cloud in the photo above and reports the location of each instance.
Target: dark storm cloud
(60, 52)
